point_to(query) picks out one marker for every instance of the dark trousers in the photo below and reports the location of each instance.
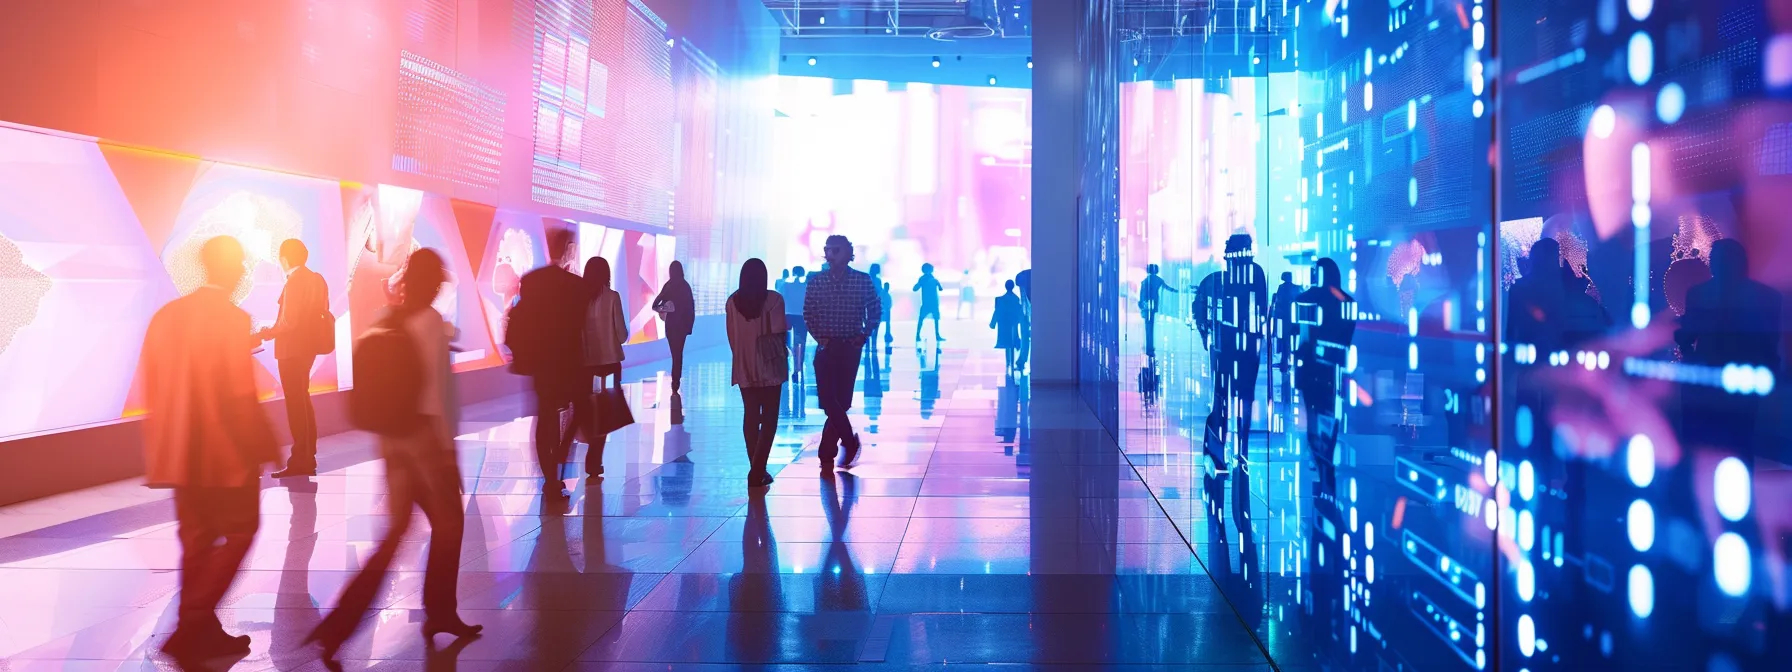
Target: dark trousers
(836, 370)
(1234, 399)
(217, 525)
(585, 418)
(759, 424)
(799, 342)
(425, 478)
(1150, 332)
(552, 395)
(295, 383)
(676, 342)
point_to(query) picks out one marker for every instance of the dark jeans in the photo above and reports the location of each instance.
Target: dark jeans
(799, 340)
(676, 341)
(836, 370)
(295, 383)
(552, 395)
(217, 525)
(759, 426)
(426, 478)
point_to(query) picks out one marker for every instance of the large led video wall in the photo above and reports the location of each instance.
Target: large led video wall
(1535, 423)
(366, 131)
(912, 173)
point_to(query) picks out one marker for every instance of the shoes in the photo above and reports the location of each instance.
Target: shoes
(458, 628)
(852, 452)
(294, 472)
(554, 489)
(828, 453)
(191, 643)
(759, 479)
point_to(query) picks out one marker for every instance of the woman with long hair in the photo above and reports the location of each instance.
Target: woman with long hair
(605, 332)
(675, 306)
(754, 313)
(422, 472)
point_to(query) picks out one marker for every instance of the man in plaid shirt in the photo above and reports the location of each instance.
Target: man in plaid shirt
(841, 308)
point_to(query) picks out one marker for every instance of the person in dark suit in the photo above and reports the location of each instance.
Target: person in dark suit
(546, 337)
(680, 314)
(1730, 320)
(205, 437)
(300, 334)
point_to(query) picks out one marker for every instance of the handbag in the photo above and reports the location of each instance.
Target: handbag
(774, 351)
(610, 411)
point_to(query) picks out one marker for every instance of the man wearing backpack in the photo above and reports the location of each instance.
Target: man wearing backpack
(546, 336)
(304, 329)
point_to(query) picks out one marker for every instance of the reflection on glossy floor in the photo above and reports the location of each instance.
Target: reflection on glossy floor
(984, 525)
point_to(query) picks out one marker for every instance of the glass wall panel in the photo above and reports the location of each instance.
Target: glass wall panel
(1433, 379)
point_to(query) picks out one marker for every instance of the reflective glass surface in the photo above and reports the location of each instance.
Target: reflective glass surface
(1463, 366)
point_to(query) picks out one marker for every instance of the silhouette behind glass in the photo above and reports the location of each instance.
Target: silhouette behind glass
(1730, 319)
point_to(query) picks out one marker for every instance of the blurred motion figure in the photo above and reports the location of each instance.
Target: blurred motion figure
(207, 438)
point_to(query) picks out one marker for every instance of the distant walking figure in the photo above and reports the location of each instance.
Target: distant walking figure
(676, 306)
(967, 297)
(546, 336)
(1149, 291)
(929, 287)
(304, 330)
(207, 438)
(885, 300)
(422, 472)
(1007, 323)
(841, 307)
(605, 331)
(756, 332)
(794, 293)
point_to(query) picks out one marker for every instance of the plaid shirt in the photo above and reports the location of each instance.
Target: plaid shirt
(841, 305)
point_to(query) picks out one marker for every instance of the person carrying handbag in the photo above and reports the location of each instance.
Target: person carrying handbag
(605, 332)
(756, 336)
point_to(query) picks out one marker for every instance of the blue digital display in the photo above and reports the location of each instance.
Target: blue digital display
(1457, 325)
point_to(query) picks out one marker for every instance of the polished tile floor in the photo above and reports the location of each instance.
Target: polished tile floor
(987, 524)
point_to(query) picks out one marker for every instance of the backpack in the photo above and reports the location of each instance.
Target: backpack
(388, 389)
(323, 333)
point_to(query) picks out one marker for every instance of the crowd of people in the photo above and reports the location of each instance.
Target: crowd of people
(207, 438)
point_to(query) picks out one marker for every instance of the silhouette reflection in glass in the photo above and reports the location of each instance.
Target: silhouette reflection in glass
(1150, 290)
(1326, 318)
(1730, 320)
(1282, 333)
(1324, 322)
(1232, 305)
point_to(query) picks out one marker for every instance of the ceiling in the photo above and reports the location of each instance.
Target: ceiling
(939, 19)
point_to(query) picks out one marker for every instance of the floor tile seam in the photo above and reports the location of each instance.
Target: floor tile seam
(1262, 648)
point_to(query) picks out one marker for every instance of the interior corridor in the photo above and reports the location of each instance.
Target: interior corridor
(986, 523)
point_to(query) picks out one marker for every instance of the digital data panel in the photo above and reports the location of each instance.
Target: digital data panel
(1449, 366)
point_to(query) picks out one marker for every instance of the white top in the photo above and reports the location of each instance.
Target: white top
(743, 339)
(439, 402)
(605, 330)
